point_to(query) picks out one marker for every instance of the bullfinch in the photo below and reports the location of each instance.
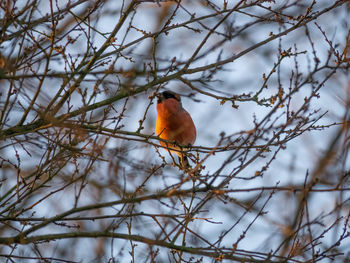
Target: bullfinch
(174, 124)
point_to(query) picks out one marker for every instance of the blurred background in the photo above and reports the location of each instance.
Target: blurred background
(83, 176)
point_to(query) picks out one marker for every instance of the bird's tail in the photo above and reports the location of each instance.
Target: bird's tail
(184, 162)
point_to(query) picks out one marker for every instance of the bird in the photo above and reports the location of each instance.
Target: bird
(174, 124)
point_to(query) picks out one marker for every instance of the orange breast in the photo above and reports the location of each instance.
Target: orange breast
(175, 126)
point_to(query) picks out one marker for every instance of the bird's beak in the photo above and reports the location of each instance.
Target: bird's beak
(159, 97)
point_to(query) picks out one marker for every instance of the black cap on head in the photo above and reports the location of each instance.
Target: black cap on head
(167, 95)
